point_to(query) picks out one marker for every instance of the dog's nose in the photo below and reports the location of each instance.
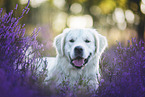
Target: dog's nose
(78, 51)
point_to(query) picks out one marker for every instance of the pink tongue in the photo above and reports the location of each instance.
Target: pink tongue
(78, 62)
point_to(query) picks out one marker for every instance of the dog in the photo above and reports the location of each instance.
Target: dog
(78, 54)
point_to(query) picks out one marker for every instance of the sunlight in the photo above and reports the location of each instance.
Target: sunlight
(129, 16)
(59, 21)
(33, 3)
(23, 1)
(59, 3)
(76, 8)
(80, 21)
(36, 3)
(143, 1)
(142, 6)
(119, 18)
(95, 10)
(122, 26)
(119, 15)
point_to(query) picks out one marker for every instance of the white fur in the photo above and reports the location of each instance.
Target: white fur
(60, 69)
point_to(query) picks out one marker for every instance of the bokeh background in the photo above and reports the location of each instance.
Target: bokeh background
(118, 20)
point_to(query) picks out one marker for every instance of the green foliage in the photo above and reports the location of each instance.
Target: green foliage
(107, 6)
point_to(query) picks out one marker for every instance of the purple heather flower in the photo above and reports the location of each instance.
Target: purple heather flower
(16, 6)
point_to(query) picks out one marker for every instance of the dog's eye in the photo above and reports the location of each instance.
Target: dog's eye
(87, 41)
(72, 40)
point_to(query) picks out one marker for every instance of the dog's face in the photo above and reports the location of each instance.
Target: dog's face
(79, 45)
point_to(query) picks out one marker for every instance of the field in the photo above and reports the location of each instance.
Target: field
(122, 68)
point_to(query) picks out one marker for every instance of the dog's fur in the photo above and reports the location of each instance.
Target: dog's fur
(60, 68)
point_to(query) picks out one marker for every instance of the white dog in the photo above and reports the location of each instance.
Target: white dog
(78, 54)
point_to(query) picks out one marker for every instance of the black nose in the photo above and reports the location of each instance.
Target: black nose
(78, 50)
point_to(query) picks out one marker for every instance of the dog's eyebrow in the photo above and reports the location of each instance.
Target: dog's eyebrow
(88, 38)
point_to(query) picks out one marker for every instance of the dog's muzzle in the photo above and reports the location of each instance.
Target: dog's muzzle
(79, 62)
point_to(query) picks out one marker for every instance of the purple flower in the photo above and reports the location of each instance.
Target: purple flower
(17, 72)
(16, 6)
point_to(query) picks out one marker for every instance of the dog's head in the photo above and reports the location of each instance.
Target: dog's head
(79, 45)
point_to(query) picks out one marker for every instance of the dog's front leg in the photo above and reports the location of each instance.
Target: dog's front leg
(93, 84)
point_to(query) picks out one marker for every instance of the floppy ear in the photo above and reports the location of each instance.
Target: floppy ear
(100, 42)
(59, 42)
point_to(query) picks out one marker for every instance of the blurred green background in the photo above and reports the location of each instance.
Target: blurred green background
(118, 20)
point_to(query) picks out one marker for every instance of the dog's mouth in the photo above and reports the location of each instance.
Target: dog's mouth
(79, 62)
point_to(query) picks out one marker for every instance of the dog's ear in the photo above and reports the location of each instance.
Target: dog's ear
(100, 42)
(59, 42)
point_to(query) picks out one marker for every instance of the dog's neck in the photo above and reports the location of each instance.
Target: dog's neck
(74, 73)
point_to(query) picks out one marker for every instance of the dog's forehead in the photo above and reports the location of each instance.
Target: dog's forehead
(80, 33)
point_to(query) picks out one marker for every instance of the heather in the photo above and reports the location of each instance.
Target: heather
(122, 68)
(123, 74)
(16, 70)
